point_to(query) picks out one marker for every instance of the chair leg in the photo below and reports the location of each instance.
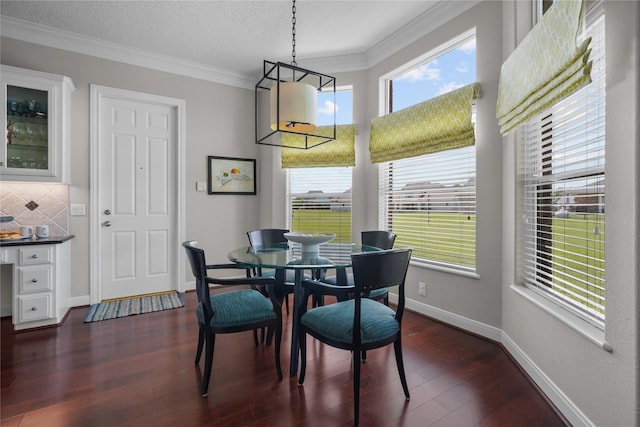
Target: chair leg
(255, 337)
(286, 302)
(317, 300)
(397, 347)
(302, 340)
(356, 386)
(386, 300)
(200, 343)
(278, 333)
(270, 332)
(208, 362)
(364, 356)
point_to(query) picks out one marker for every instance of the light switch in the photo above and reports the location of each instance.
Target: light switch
(78, 209)
(201, 186)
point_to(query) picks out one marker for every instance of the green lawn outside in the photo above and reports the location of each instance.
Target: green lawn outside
(323, 221)
(450, 238)
(583, 263)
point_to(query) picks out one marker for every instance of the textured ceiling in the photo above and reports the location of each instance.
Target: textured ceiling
(235, 36)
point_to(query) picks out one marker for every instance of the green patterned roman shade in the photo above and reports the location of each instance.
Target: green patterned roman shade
(441, 123)
(546, 67)
(340, 152)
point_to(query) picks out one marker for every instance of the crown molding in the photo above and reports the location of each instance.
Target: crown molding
(439, 14)
(65, 40)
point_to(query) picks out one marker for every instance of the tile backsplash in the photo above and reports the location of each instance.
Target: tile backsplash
(35, 204)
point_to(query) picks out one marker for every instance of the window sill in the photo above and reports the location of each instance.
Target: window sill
(581, 326)
(450, 270)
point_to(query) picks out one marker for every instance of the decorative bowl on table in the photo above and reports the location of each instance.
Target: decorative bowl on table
(309, 241)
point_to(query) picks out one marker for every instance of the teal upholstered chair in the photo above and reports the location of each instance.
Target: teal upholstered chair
(359, 324)
(270, 238)
(380, 239)
(231, 311)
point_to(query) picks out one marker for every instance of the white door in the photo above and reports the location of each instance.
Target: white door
(137, 197)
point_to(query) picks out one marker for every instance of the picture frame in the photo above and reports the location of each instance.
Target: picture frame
(231, 175)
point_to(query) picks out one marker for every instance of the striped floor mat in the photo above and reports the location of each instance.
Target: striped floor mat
(113, 309)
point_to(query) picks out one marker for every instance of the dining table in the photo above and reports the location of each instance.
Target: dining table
(283, 257)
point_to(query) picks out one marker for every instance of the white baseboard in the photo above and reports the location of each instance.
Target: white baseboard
(80, 301)
(570, 411)
(453, 319)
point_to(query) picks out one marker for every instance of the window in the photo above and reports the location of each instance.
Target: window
(429, 200)
(319, 199)
(564, 193)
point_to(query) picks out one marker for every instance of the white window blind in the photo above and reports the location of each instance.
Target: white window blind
(564, 193)
(430, 203)
(319, 201)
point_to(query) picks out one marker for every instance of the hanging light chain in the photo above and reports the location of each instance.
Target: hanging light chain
(293, 33)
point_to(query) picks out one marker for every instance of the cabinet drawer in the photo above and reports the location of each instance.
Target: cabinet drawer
(34, 279)
(36, 255)
(34, 307)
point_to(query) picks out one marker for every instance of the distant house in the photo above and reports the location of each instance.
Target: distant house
(430, 196)
(317, 199)
(585, 199)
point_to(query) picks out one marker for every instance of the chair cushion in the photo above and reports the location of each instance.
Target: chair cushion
(335, 321)
(376, 294)
(333, 280)
(379, 293)
(237, 308)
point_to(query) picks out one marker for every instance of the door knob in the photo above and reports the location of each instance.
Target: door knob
(107, 212)
(107, 224)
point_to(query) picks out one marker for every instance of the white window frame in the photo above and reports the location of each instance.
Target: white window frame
(336, 202)
(383, 168)
(530, 222)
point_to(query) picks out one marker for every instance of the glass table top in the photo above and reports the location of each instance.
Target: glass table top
(330, 255)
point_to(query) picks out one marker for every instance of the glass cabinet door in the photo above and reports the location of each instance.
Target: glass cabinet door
(35, 117)
(27, 132)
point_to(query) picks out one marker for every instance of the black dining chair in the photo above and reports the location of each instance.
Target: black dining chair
(231, 311)
(377, 238)
(270, 238)
(358, 324)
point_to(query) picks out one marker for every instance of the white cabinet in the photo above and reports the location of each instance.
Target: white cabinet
(41, 283)
(36, 118)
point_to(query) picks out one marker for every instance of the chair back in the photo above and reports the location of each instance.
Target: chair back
(198, 265)
(382, 269)
(267, 237)
(379, 238)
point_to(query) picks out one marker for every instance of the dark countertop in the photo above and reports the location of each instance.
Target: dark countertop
(51, 240)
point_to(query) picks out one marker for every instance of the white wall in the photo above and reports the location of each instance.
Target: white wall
(219, 121)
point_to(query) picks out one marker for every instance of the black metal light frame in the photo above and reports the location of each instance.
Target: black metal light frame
(275, 73)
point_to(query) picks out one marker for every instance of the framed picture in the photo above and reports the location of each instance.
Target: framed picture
(231, 175)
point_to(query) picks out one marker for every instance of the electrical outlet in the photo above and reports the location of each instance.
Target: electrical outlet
(422, 289)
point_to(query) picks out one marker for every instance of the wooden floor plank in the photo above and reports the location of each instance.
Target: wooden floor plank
(139, 370)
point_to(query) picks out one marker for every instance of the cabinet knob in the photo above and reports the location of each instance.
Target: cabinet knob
(34, 308)
(34, 280)
(34, 256)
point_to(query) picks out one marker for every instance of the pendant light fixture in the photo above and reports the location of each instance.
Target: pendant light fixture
(286, 100)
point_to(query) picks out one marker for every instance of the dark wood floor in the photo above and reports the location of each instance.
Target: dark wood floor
(139, 371)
